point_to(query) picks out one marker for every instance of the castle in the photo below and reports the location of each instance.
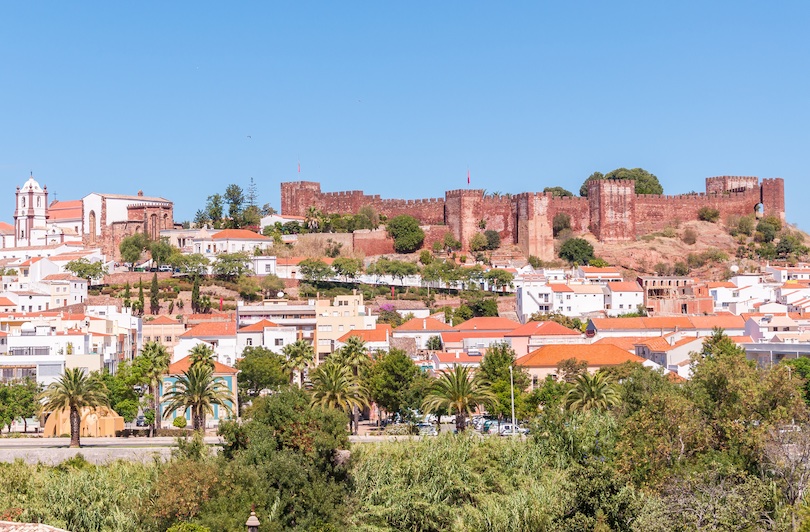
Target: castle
(97, 220)
(612, 212)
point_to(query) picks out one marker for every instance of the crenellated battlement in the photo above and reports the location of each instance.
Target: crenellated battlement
(612, 211)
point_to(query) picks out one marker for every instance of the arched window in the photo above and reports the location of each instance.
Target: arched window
(153, 221)
(39, 201)
(22, 201)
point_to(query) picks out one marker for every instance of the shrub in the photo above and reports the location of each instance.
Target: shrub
(708, 214)
(681, 268)
(407, 234)
(478, 242)
(561, 222)
(425, 256)
(577, 251)
(179, 422)
(493, 239)
(535, 262)
(689, 236)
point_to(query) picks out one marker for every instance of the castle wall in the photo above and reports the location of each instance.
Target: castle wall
(612, 211)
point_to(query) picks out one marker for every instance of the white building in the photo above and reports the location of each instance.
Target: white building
(623, 298)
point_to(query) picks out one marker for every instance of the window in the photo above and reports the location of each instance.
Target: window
(147, 338)
(324, 328)
(267, 268)
(249, 341)
(168, 339)
(340, 328)
(279, 341)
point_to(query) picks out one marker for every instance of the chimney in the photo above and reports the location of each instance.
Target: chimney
(457, 354)
(424, 324)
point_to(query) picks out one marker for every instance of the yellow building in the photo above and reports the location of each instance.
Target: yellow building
(98, 422)
(334, 318)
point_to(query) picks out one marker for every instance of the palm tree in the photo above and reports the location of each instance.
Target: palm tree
(334, 386)
(155, 364)
(592, 392)
(460, 392)
(75, 390)
(353, 355)
(197, 390)
(202, 354)
(299, 355)
(313, 219)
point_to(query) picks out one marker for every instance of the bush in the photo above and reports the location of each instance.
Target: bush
(179, 422)
(708, 214)
(561, 222)
(493, 239)
(478, 242)
(577, 251)
(407, 234)
(689, 236)
(535, 262)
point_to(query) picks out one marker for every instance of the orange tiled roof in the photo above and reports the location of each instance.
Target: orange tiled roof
(32, 260)
(211, 328)
(381, 333)
(627, 343)
(62, 277)
(238, 234)
(458, 336)
(65, 210)
(295, 261)
(723, 284)
(559, 287)
(424, 324)
(625, 286)
(162, 320)
(182, 365)
(6, 302)
(258, 326)
(594, 269)
(456, 358)
(543, 328)
(488, 324)
(594, 354)
(724, 321)
(6, 228)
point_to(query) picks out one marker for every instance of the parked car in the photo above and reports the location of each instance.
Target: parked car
(140, 421)
(426, 429)
(507, 429)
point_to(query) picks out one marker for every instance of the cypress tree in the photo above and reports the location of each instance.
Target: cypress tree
(195, 295)
(140, 295)
(127, 295)
(154, 296)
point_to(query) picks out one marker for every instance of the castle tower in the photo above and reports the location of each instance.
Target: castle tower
(613, 209)
(31, 214)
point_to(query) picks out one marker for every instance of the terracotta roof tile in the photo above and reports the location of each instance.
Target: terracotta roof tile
(6, 302)
(238, 234)
(459, 336)
(381, 333)
(594, 354)
(182, 365)
(65, 210)
(162, 320)
(211, 329)
(542, 328)
(423, 324)
(259, 326)
(488, 324)
(625, 286)
(456, 358)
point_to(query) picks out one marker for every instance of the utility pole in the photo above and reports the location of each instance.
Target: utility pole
(512, 389)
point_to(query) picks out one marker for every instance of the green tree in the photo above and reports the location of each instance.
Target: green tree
(493, 239)
(334, 386)
(499, 278)
(161, 250)
(247, 287)
(592, 392)
(460, 392)
(407, 234)
(313, 219)
(558, 192)
(235, 198)
(298, 356)
(229, 266)
(195, 295)
(127, 295)
(353, 355)
(195, 263)
(389, 380)
(645, 182)
(18, 400)
(561, 222)
(259, 369)
(151, 366)
(202, 354)
(495, 370)
(74, 390)
(86, 269)
(271, 285)
(131, 248)
(140, 295)
(576, 251)
(347, 267)
(478, 242)
(154, 295)
(434, 343)
(198, 391)
(315, 270)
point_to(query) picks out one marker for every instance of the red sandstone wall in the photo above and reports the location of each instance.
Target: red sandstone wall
(773, 197)
(613, 209)
(499, 213)
(373, 242)
(577, 208)
(654, 213)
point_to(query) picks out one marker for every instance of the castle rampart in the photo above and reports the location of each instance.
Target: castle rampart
(612, 211)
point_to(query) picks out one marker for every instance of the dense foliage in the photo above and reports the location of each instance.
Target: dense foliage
(627, 449)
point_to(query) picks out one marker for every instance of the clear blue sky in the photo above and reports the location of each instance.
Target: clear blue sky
(399, 98)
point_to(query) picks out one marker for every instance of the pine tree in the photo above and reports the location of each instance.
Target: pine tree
(127, 295)
(140, 295)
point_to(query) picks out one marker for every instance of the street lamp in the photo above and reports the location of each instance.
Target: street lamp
(512, 389)
(252, 523)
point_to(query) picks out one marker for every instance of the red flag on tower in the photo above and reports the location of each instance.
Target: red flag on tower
(299, 167)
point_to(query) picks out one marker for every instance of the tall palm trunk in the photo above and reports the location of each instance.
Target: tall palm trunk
(155, 409)
(461, 418)
(356, 418)
(75, 426)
